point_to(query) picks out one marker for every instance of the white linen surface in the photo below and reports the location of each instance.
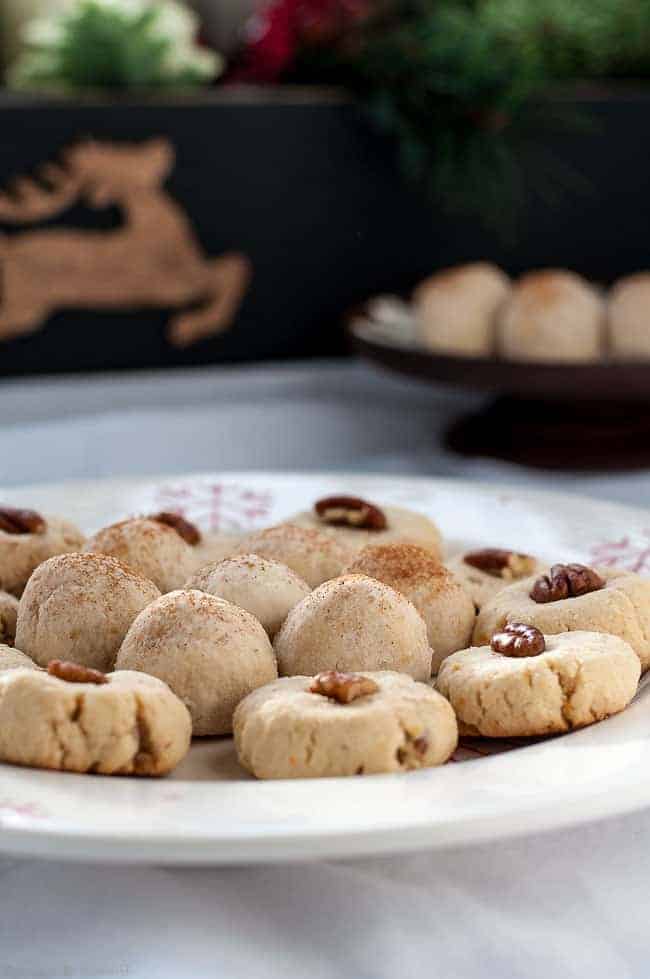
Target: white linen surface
(570, 904)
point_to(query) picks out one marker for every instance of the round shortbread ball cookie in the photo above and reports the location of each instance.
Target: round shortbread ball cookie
(486, 571)
(215, 547)
(266, 589)
(13, 659)
(8, 616)
(130, 724)
(621, 608)
(78, 607)
(150, 548)
(285, 730)
(628, 313)
(209, 652)
(552, 316)
(353, 623)
(580, 678)
(441, 600)
(21, 551)
(455, 309)
(405, 526)
(313, 556)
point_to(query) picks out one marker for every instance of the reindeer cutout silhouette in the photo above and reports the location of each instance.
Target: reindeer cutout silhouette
(153, 259)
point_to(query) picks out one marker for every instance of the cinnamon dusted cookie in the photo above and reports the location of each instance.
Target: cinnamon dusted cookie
(211, 653)
(439, 597)
(552, 316)
(160, 547)
(312, 555)
(76, 719)
(356, 523)
(628, 314)
(354, 623)
(79, 607)
(573, 597)
(528, 684)
(266, 589)
(485, 571)
(343, 724)
(8, 616)
(28, 538)
(215, 547)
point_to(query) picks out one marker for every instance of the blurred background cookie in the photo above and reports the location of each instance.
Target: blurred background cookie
(455, 309)
(552, 316)
(628, 314)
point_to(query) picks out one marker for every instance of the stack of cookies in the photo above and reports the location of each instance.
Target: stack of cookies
(336, 643)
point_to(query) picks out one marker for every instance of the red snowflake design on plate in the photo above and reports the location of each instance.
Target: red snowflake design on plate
(225, 507)
(26, 810)
(630, 554)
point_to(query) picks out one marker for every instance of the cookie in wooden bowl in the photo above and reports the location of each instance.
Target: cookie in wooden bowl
(552, 316)
(628, 318)
(455, 309)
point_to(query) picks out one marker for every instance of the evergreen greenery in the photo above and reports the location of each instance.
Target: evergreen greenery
(114, 44)
(457, 83)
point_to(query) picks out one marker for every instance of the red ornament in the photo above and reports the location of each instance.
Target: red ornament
(276, 34)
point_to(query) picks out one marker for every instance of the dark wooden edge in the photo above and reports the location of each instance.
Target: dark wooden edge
(598, 91)
(222, 95)
(628, 382)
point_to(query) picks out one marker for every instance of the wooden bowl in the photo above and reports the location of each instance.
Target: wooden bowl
(607, 380)
(554, 416)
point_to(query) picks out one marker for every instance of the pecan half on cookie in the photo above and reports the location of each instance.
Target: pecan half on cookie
(350, 511)
(501, 563)
(14, 520)
(343, 687)
(517, 639)
(187, 530)
(75, 672)
(566, 581)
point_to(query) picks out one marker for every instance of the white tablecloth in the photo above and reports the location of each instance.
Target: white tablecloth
(567, 904)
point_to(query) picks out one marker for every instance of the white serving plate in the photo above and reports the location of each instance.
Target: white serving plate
(211, 812)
